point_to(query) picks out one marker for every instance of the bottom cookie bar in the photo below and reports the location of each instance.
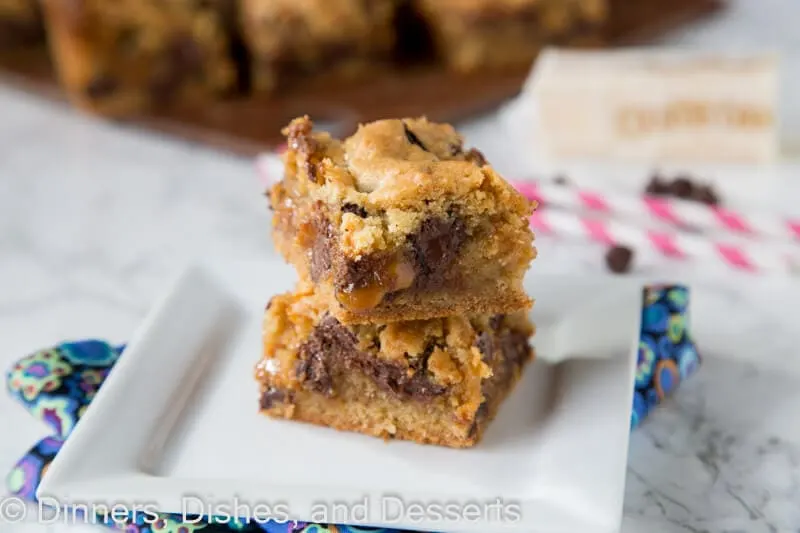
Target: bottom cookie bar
(437, 381)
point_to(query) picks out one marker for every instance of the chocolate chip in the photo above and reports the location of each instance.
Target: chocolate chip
(368, 271)
(476, 157)
(619, 259)
(657, 186)
(705, 194)
(561, 180)
(273, 396)
(682, 188)
(421, 362)
(420, 386)
(516, 351)
(312, 367)
(321, 259)
(412, 137)
(433, 250)
(436, 246)
(311, 170)
(354, 209)
(480, 416)
(332, 346)
(456, 149)
(496, 321)
(485, 344)
(101, 86)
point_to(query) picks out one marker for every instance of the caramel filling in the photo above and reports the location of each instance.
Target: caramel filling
(398, 275)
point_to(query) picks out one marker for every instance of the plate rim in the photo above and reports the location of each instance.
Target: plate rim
(64, 483)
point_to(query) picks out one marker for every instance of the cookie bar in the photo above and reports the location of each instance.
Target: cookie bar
(20, 23)
(401, 222)
(123, 56)
(474, 34)
(439, 381)
(293, 39)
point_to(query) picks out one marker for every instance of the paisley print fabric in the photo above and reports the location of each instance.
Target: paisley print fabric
(667, 352)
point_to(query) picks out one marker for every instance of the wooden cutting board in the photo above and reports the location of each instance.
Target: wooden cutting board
(251, 125)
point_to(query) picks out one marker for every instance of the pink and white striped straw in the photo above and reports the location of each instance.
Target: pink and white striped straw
(676, 212)
(748, 258)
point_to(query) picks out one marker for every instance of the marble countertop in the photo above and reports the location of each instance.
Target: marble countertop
(94, 221)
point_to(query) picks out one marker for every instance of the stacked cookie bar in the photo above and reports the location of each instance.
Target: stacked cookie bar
(410, 320)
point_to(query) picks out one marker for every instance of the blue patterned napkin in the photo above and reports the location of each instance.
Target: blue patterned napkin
(57, 385)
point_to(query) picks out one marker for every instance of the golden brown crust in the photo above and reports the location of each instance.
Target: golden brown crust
(401, 164)
(402, 423)
(459, 370)
(291, 318)
(478, 298)
(401, 222)
(129, 55)
(487, 279)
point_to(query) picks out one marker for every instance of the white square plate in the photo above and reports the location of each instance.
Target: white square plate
(177, 422)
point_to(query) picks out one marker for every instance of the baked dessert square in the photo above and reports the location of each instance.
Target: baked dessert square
(470, 35)
(128, 55)
(401, 222)
(289, 40)
(438, 381)
(20, 23)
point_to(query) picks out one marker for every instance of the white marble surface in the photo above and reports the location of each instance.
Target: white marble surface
(94, 220)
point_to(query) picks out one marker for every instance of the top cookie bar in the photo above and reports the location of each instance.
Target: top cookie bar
(401, 222)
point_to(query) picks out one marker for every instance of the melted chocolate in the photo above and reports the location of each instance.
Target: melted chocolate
(332, 347)
(412, 138)
(436, 246)
(514, 352)
(355, 209)
(272, 397)
(433, 250)
(321, 248)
